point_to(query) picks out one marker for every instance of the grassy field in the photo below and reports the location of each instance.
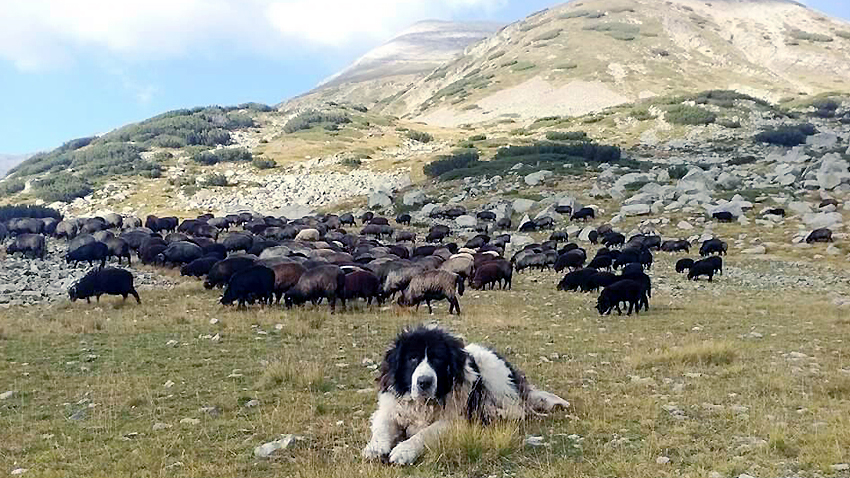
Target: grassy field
(715, 378)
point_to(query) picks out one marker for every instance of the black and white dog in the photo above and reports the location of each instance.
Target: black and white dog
(428, 378)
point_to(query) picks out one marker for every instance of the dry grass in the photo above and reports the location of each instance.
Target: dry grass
(683, 381)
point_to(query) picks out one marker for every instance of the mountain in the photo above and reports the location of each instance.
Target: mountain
(585, 56)
(393, 66)
(9, 161)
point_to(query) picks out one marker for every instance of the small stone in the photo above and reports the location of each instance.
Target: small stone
(755, 250)
(252, 403)
(168, 384)
(662, 460)
(7, 395)
(171, 343)
(216, 338)
(278, 326)
(212, 411)
(266, 450)
(190, 421)
(535, 441)
(841, 467)
(160, 426)
(19, 471)
(214, 321)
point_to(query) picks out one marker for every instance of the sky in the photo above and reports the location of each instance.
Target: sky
(74, 68)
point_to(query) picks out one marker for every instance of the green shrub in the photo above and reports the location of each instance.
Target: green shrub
(586, 151)
(498, 54)
(162, 156)
(678, 171)
(477, 137)
(26, 210)
(728, 123)
(616, 30)
(725, 98)
(11, 186)
(550, 35)
(260, 163)
(351, 162)
(225, 155)
(183, 180)
(843, 34)
(566, 136)
(215, 180)
(574, 14)
(61, 187)
(523, 66)
(148, 169)
(308, 119)
(786, 135)
(458, 159)
(815, 37)
(641, 114)
(566, 66)
(689, 115)
(419, 136)
(360, 108)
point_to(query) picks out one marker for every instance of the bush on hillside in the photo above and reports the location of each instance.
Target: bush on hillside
(689, 115)
(419, 136)
(260, 163)
(308, 119)
(61, 187)
(477, 137)
(728, 123)
(458, 159)
(215, 180)
(677, 172)
(225, 155)
(566, 136)
(26, 210)
(786, 135)
(11, 186)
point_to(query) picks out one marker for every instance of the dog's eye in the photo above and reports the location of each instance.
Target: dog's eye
(412, 360)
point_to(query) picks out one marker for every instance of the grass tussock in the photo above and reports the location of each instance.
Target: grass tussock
(297, 375)
(700, 354)
(469, 446)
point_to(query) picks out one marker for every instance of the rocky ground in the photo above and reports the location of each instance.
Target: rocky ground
(31, 282)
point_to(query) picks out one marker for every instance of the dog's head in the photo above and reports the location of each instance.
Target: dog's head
(425, 363)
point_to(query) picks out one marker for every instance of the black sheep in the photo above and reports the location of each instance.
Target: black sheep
(486, 216)
(593, 237)
(107, 280)
(497, 271)
(150, 254)
(701, 268)
(584, 214)
(347, 218)
(819, 235)
(503, 223)
(403, 219)
(724, 216)
(684, 264)
(528, 226)
(560, 236)
(600, 279)
(639, 276)
(627, 291)
(713, 246)
(94, 252)
(778, 211)
(676, 246)
(221, 272)
(199, 267)
(611, 239)
(573, 259)
(601, 262)
(575, 279)
(28, 244)
(181, 252)
(248, 285)
(118, 248)
(363, 285)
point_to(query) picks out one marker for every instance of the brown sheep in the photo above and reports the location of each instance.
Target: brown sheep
(286, 275)
(461, 265)
(433, 285)
(320, 282)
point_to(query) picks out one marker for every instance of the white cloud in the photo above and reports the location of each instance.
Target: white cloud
(45, 34)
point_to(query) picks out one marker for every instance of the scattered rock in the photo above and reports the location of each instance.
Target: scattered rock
(534, 179)
(379, 199)
(522, 206)
(190, 421)
(7, 395)
(635, 210)
(160, 426)
(662, 460)
(267, 450)
(466, 221)
(19, 471)
(414, 198)
(755, 250)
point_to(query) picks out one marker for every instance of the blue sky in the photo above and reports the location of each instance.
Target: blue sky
(72, 68)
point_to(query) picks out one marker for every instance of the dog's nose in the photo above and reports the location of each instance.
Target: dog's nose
(425, 383)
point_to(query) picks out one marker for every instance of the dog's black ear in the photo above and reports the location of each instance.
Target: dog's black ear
(386, 380)
(457, 360)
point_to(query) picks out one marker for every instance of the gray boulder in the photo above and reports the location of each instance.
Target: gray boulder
(534, 179)
(822, 219)
(466, 221)
(635, 210)
(379, 199)
(728, 181)
(414, 198)
(522, 206)
(833, 171)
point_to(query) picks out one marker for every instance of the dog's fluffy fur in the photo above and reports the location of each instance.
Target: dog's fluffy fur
(428, 378)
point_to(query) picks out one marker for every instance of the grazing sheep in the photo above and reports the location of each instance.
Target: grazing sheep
(460, 265)
(26, 226)
(29, 245)
(107, 280)
(639, 276)
(600, 279)
(601, 262)
(238, 241)
(102, 236)
(584, 214)
(724, 216)
(364, 285)
(565, 210)
(405, 236)
(819, 235)
(221, 272)
(308, 235)
(560, 236)
(534, 260)
(701, 268)
(528, 226)
(544, 222)
(684, 264)
(497, 271)
(113, 221)
(575, 279)
(347, 218)
(151, 253)
(181, 252)
(199, 267)
(248, 285)
(486, 216)
(676, 246)
(327, 281)
(713, 246)
(504, 223)
(66, 229)
(627, 291)
(94, 252)
(286, 275)
(593, 237)
(403, 218)
(433, 285)
(778, 211)
(118, 248)
(573, 259)
(611, 239)
(716, 262)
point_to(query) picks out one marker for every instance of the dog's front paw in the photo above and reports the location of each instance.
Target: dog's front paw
(405, 453)
(376, 450)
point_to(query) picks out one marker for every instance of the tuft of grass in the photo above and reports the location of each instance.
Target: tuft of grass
(689, 115)
(698, 354)
(471, 446)
(298, 375)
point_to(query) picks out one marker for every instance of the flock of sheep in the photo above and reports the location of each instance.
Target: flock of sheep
(269, 259)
